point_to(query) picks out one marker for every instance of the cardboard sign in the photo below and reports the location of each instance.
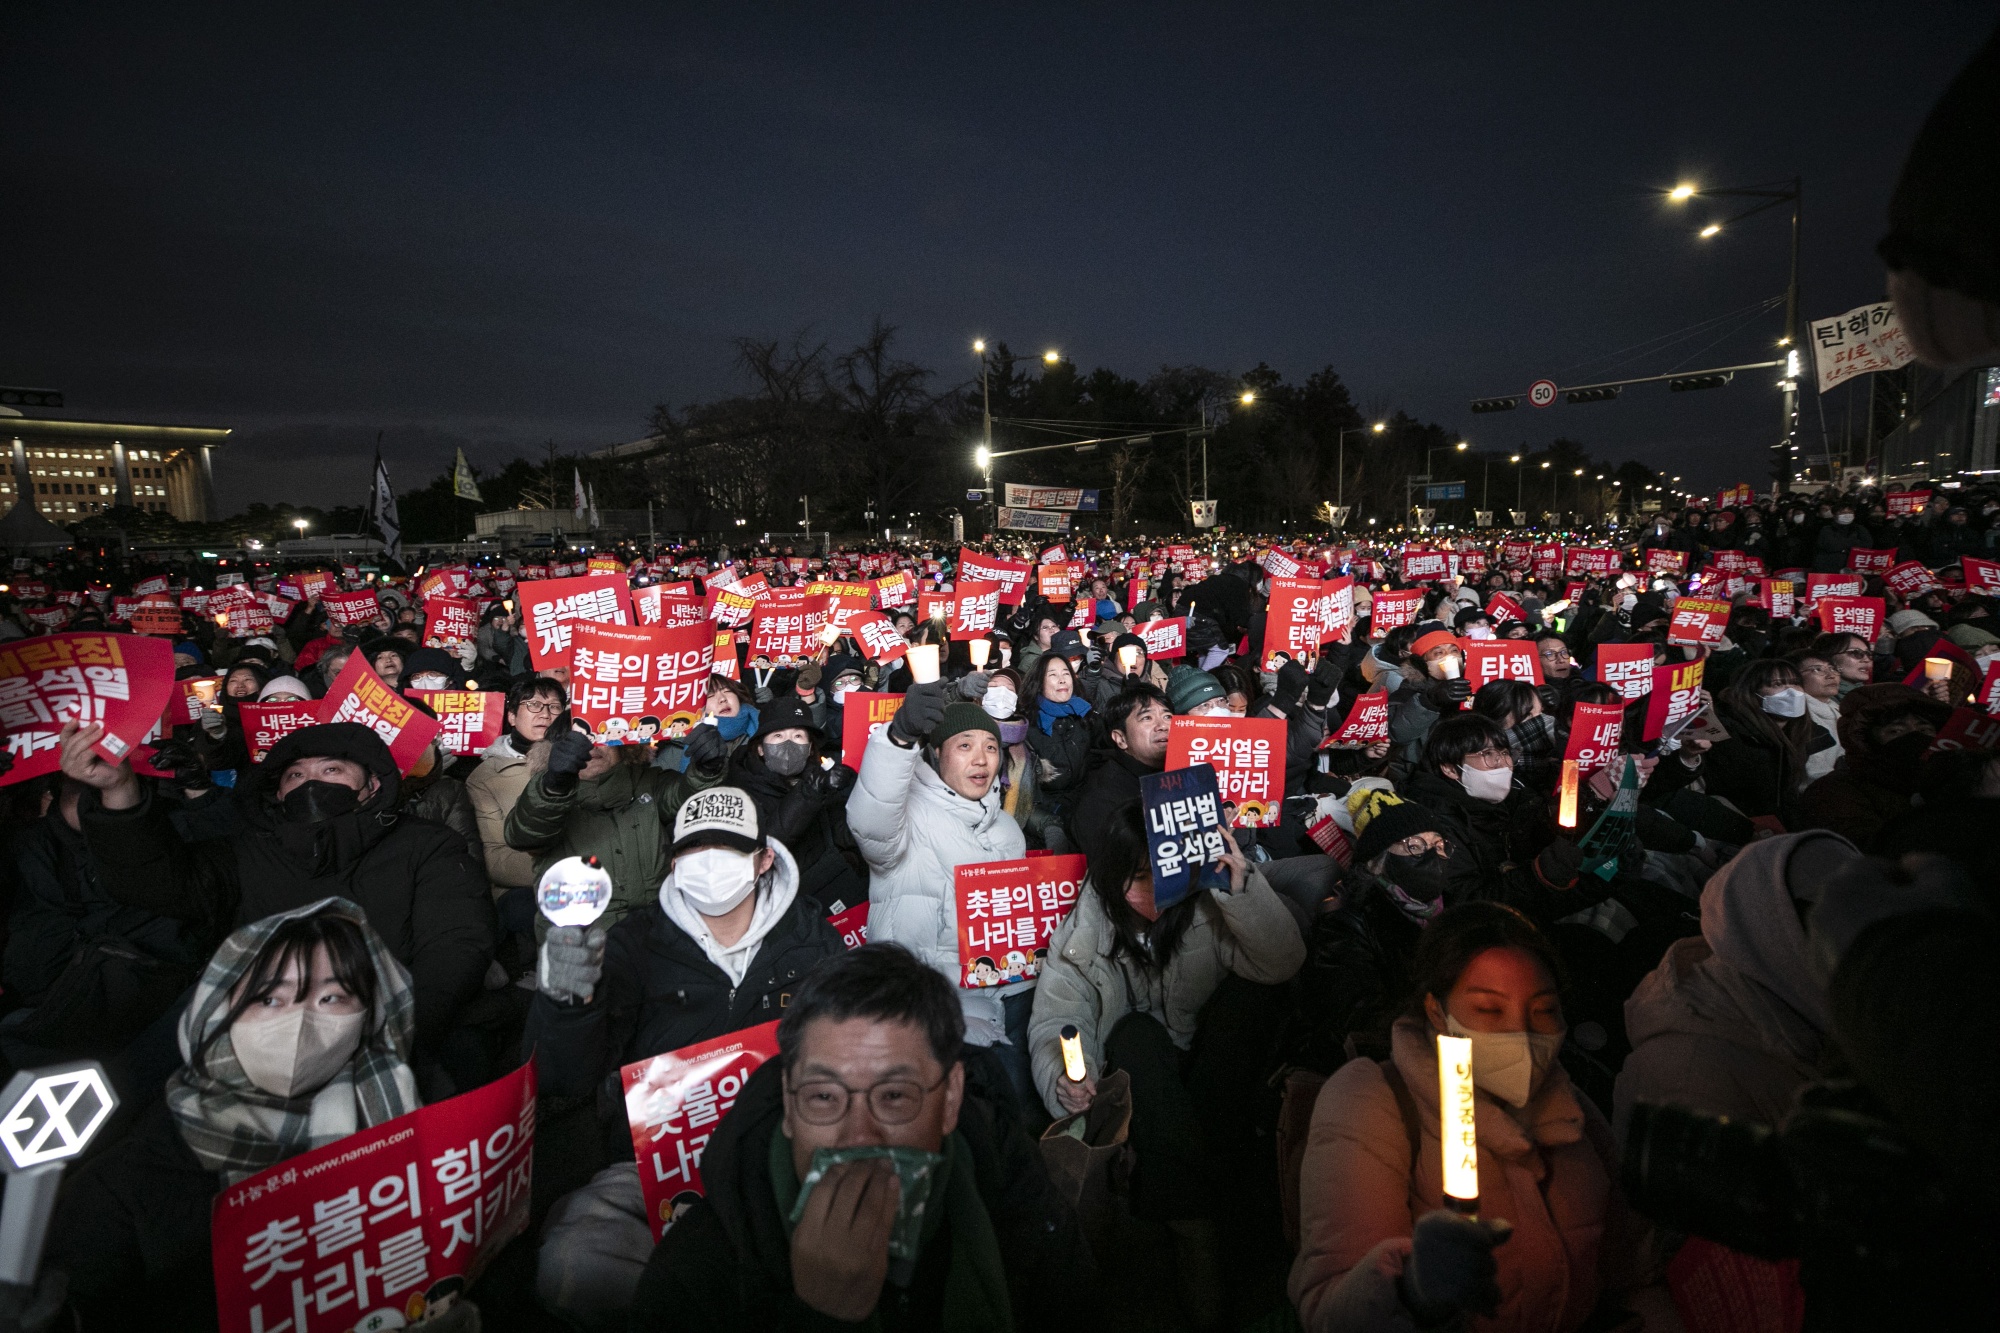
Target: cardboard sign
(1395, 609)
(1425, 566)
(369, 1230)
(468, 720)
(1698, 622)
(1852, 615)
(1627, 666)
(158, 613)
(1367, 722)
(1902, 504)
(264, 725)
(1831, 585)
(1870, 562)
(1676, 697)
(1011, 575)
(1055, 582)
(877, 636)
(865, 713)
(1501, 607)
(1292, 622)
(634, 684)
(1007, 910)
(122, 681)
(359, 695)
(1184, 842)
(1671, 564)
(1501, 659)
(1594, 731)
(974, 608)
(350, 608)
(450, 620)
(1165, 639)
(673, 1103)
(1967, 729)
(549, 607)
(1910, 580)
(1248, 754)
(1592, 562)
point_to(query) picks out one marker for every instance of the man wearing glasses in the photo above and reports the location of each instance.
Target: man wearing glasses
(533, 703)
(868, 1058)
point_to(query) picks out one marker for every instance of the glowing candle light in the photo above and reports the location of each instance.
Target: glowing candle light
(1566, 812)
(1458, 1124)
(1072, 1051)
(979, 650)
(923, 660)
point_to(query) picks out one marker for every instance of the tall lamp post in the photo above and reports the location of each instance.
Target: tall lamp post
(1769, 195)
(1340, 481)
(1515, 459)
(984, 455)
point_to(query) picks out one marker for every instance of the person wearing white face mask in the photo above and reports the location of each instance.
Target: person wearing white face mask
(1377, 1248)
(1820, 679)
(792, 772)
(721, 948)
(1761, 767)
(299, 1033)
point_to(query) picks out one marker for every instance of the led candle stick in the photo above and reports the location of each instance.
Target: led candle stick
(1566, 810)
(1458, 1126)
(1072, 1052)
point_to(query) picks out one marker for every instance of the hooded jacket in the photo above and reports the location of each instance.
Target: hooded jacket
(914, 831)
(809, 816)
(726, 1265)
(419, 886)
(1732, 1021)
(1549, 1168)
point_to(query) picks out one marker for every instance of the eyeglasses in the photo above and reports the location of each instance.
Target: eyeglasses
(537, 708)
(1853, 652)
(1489, 758)
(895, 1101)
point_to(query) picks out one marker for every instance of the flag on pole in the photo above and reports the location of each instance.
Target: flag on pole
(578, 505)
(382, 509)
(463, 485)
(593, 506)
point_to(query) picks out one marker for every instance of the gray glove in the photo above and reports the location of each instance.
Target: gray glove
(572, 963)
(1451, 1265)
(973, 685)
(923, 708)
(213, 722)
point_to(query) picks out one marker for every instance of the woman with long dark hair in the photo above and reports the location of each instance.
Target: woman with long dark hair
(1761, 768)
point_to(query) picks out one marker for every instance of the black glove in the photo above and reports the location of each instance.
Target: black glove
(1559, 863)
(1446, 695)
(1325, 679)
(1451, 1265)
(923, 708)
(705, 747)
(179, 759)
(1291, 682)
(569, 751)
(822, 783)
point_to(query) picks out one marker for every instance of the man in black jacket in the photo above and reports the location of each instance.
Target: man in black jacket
(1137, 720)
(318, 820)
(869, 1059)
(728, 943)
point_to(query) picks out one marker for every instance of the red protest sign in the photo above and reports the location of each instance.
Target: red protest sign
(660, 605)
(895, 590)
(1515, 553)
(1083, 615)
(157, 583)
(1547, 559)
(851, 924)
(549, 607)
(368, 1231)
(119, 680)
(1676, 697)
(673, 1103)
(1425, 566)
(350, 608)
(1592, 561)
(865, 713)
(877, 635)
(158, 613)
(359, 695)
(1248, 755)
(786, 626)
(1870, 562)
(1165, 639)
(1698, 622)
(1989, 688)
(313, 583)
(1910, 579)
(1503, 608)
(604, 564)
(1626, 666)
(632, 684)
(1777, 597)
(1982, 576)
(468, 720)
(1394, 610)
(1054, 581)
(1832, 585)
(730, 609)
(1367, 722)
(450, 620)
(1967, 729)
(1292, 621)
(1501, 659)
(1007, 910)
(1011, 575)
(1335, 604)
(1902, 504)
(1279, 565)
(1852, 615)
(974, 608)
(1672, 564)
(264, 725)
(1594, 730)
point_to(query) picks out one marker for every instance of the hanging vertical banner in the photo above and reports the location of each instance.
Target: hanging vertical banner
(673, 1103)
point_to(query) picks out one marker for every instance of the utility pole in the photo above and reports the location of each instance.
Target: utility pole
(1781, 472)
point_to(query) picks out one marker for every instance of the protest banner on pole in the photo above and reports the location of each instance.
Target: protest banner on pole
(1248, 754)
(1007, 910)
(468, 720)
(549, 607)
(359, 695)
(375, 1228)
(121, 680)
(865, 713)
(673, 1102)
(1182, 808)
(264, 725)
(1594, 731)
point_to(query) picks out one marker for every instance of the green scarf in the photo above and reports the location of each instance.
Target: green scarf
(975, 1290)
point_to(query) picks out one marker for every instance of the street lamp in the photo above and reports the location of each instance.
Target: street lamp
(1247, 397)
(1340, 442)
(301, 525)
(1051, 357)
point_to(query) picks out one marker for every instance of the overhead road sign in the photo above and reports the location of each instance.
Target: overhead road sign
(1542, 393)
(1679, 381)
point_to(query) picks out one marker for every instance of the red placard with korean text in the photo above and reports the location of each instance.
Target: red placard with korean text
(1989, 688)
(673, 1103)
(158, 613)
(1502, 608)
(1982, 576)
(1395, 609)
(851, 923)
(1367, 722)
(264, 725)
(1627, 666)
(359, 695)
(786, 625)
(1863, 561)
(865, 713)
(1011, 575)
(1292, 622)
(549, 607)
(1698, 622)
(350, 608)
(1055, 582)
(1832, 585)
(1852, 615)
(450, 620)
(1672, 564)
(974, 608)
(1007, 910)
(877, 635)
(1967, 729)
(366, 1231)
(1594, 730)
(1425, 566)
(1676, 696)
(1501, 659)
(1591, 562)
(895, 590)
(632, 684)
(1902, 504)
(1777, 596)
(729, 608)
(120, 680)
(468, 720)
(1248, 755)
(1335, 604)
(1547, 559)
(1910, 579)
(1165, 639)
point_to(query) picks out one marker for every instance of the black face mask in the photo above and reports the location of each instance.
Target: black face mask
(1900, 762)
(1422, 877)
(315, 802)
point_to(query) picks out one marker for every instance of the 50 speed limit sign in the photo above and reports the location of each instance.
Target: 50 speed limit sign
(1542, 393)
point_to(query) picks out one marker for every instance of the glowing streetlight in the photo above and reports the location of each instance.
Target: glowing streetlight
(1052, 356)
(979, 346)
(1463, 445)
(1710, 230)
(1248, 397)
(982, 456)
(301, 525)
(1681, 193)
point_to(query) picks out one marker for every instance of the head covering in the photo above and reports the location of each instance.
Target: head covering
(1437, 638)
(783, 713)
(234, 1126)
(1908, 619)
(963, 717)
(1970, 636)
(1649, 607)
(1067, 642)
(417, 661)
(842, 664)
(284, 685)
(1188, 688)
(717, 817)
(1750, 919)
(189, 648)
(1383, 819)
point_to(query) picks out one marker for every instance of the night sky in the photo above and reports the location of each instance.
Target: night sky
(485, 230)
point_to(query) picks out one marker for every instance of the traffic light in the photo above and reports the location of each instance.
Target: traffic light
(1495, 404)
(11, 397)
(1604, 395)
(1688, 383)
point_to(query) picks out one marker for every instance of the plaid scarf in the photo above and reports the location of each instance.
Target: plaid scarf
(239, 1129)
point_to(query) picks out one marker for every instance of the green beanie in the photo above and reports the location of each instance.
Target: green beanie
(963, 717)
(1188, 688)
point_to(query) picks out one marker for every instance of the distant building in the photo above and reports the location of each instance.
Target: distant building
(73, 469)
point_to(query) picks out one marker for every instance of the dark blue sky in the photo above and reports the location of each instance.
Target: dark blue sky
(505, 229)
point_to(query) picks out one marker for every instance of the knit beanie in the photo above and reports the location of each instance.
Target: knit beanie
(963, 717)
(1384, 819)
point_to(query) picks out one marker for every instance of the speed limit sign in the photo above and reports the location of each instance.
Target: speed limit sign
(1542, 393)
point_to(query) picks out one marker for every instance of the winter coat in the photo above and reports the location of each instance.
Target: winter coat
(1493, 849)
(810, 818)
(423, 892)
(726, 1265)
(1250, 933)
(625, 819)
(1112, 784)
(914, 831)
(493, 788)
(1549, 1168)
(1835, 542)
(660, 992)
(1357, 968)
(443, 799)
(1752, 772)
(1826, 716)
